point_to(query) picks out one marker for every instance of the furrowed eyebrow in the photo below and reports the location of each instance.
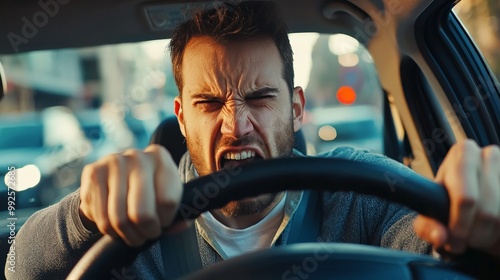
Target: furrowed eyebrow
(203, 96)
(253, 94)
(261, 92)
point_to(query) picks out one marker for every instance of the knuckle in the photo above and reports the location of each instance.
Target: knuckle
(156, 148)
(104, 227)
(491, 153)
(158, 151)
(134, 157)
(466, 146)
(114, 160)
(90, 175)
(132, 153)
(143, 219)
(121, 223)
(133, 161)
(470, 144)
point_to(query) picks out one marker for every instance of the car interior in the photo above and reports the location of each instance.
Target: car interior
(432, 87)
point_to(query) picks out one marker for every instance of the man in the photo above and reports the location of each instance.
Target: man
(237, 104)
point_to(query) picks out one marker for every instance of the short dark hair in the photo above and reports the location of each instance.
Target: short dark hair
(227, 22)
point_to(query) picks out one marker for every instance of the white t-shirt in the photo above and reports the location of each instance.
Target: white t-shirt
(235, 242)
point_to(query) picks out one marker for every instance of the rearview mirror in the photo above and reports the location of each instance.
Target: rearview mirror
(3, 82)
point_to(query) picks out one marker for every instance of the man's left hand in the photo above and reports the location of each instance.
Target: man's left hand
(471, 176)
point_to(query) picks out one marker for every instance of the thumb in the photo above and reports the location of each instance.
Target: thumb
(431, 231)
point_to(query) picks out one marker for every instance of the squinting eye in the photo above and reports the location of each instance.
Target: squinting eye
(209, 104)
(260, 100)
(262, 97)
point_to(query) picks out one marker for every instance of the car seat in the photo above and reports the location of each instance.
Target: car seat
(168, 134)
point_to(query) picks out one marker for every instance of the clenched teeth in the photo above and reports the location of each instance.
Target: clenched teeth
(239, 156)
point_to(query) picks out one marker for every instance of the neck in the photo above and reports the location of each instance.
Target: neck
(241, 222)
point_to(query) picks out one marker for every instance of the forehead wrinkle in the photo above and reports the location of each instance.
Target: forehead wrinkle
(230, 75)
(239, 66)
(211, 78)
(193, 49)
(229, 71)
(220, 71)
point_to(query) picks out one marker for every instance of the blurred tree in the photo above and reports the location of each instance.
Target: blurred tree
(482, 20)
(324, 77)
(494, 6)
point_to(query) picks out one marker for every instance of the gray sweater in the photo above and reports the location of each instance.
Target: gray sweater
(50, 243)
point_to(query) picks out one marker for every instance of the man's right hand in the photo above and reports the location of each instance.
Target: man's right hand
(132, 195)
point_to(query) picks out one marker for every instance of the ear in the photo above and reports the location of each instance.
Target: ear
(298, 105)
(179, 113)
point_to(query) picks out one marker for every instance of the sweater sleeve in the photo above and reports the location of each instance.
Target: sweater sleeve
(390, 225)
(51, 242)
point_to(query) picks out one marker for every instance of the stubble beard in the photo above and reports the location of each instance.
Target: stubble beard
(249, 206)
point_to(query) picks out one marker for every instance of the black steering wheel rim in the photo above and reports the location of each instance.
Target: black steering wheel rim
(322, 174)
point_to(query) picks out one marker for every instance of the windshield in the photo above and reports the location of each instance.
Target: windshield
(66, 108)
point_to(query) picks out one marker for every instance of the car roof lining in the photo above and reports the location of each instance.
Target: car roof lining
(76, 23)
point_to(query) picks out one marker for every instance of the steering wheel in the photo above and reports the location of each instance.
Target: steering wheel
(321, 174)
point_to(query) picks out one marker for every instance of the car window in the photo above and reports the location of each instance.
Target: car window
(66, 108)
(481, 18)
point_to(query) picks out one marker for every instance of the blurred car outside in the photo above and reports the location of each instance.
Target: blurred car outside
(52, 146)
(358, 126)
(22, 144)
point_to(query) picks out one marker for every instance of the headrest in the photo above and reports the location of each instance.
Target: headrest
(3, 82)
(168, 134)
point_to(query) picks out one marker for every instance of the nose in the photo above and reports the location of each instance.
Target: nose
(236, 122)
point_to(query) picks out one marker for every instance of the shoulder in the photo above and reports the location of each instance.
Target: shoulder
(351, 153)
(361, 155)
(397, 171)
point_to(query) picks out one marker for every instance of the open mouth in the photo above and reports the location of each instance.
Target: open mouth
(235, 159)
